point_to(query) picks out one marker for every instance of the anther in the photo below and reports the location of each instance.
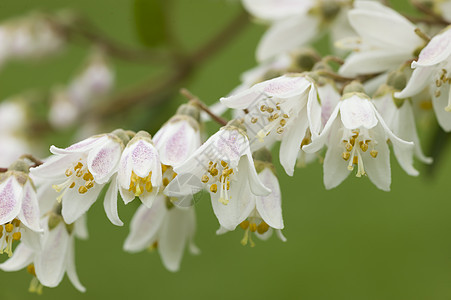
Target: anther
(213, 188)
(72, 185)
(205, 178)
(82, 189)
(348, 147)
(166, 181)
(254, 120)
(68, 172)
(355, 160)
(17, 236)
(283, 122)
(253, 227)
(9, 227)
(244, 225)
(363, 146)
(263, 227)
(346, 155)
(373, 153)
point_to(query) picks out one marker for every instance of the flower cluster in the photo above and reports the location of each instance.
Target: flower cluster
(345, 110)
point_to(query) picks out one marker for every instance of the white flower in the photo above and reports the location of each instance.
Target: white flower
(357, 135)
(400, 119)
(224, 166)
(56, 256)
(293, 23)
(283, 108)
(80, 171)
(19, 208)
(386, 39)
(165, 227)
(261, 214)
(433, 69)
(177, 139)
(140, 170)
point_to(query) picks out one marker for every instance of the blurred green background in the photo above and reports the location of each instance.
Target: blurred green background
(351, 243)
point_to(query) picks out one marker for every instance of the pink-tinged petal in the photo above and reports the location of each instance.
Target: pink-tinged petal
(82, 146)
(10, 199)
(357, 112)
(124, 172)
(71, 269)
(173, 238)
(291, 142)
(420, 78)
(144, 158)
(270, 207)
(179, 142)
(287, 35)
(145, 225)
(228, 145)
(103, 160)
(276, 9)
(243, 99)
(110, 203)
(76, 204)
(50, 263)
(22, 257)
(30, 213)
(437, 50)
(329, 99)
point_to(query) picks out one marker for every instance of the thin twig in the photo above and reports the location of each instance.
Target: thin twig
(3, 170)
(172, 83)
(194, 99)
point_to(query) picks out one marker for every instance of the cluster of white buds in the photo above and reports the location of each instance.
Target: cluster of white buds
(29, 37)
(348, 116)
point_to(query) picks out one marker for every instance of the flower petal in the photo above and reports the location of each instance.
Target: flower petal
(439, 104)
(30, 214)
(335, 168)
(357, 112)
(71, 269)
(270, 207)
(104, 159)
(291, 142)
(50, 263)
(81, 228)
(10, 199)
(22, 257)
(287, 35)
(76, 204)
(247, 170)
(173, 238)
(81, 146)
(110, 203)
(436, 51)
(417, 82)
(276, 9)
(145, 225)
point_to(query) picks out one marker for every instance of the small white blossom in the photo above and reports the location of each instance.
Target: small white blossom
(80, 171)
(224, 166)
(433, 70)
(53, 259)
(261, 214)
(386, 39)
(356, 135)
(165, 227)
(140, 172)
(284, 108)
(19, 208)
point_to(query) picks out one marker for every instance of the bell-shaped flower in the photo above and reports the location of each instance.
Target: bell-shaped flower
(19, 208)
(284, 108)
(179, 137)
(261, 214)
(54, 258)
(139, 172)
(433, 69)
(399, 117)
(356, 135)
(80, 171)
(223, 165)
(386, 39)
(165, 227)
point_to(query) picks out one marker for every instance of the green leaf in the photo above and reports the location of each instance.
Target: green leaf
(150, 21)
